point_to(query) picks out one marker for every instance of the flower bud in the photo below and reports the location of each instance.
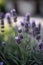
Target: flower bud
(27, 16)
(19, 29)
(33, 24)
(18, 40)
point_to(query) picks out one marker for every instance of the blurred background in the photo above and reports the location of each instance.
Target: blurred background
(35, 7)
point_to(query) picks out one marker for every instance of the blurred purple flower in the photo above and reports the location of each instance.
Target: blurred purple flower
(33, 24)
(36, 31)
(18, 40)
(19, 29)
(23, 21)
(8, 17)
(13, 12)
(14, 15)
(38, 37)
(15, 19)
(1, 63)
(9, 20)
(40, 44)
(26, 25)
(27, 16)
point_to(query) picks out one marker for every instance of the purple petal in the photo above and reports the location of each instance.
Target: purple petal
(1, 63)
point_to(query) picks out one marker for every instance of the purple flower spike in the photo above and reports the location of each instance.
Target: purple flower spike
(1, 63)
(38, 37)
(26, 25)
(13, 12)
(37, 30)
(27, 16)
(18, 40)
(8, 17)
(40, 44)
(9, 21)
(23, 21)
(33, 24)
(19, 29)
(15, 19)
(14, 15)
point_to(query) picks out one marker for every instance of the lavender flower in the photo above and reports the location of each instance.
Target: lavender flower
(22, 23)
(27, 16)
(19, 29)
(9, 21)
(40, 44)
(8, 17)
(14, 15)
(33, 24)
(1, 63)
(13, 12)
(35, 31)
(15, 19)
(26, 25)
(18, 40)
(38, 37)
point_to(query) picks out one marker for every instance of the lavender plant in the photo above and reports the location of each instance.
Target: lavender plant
(20, 48)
